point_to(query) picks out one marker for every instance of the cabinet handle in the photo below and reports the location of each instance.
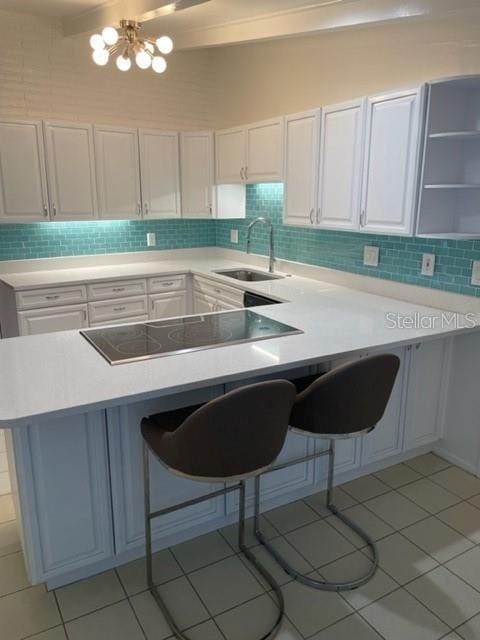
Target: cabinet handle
(118, 289)
(241, 174)
(45, 211)
(311, 216)
(146, 208)
(119, 308)
(362, 218)
(54, 209)
(139, 209)
(318, 215)
(246, 173)
(167, 284)
(210, 209)
(55, 297)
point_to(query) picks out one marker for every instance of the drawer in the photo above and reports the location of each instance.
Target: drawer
(163, 284)
(116, 289)
(35, 321)
(51, 297)
(109, 310)
(213, 288)
(131, 320)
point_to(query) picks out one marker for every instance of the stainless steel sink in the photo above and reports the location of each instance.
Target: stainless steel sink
(247, 275)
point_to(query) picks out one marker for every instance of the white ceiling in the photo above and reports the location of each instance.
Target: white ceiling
(50, 8)
(220, 22)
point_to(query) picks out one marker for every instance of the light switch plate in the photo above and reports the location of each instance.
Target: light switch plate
(428, 264)
(476, 272)
(151, 239)
(370, 256)
(234, 236)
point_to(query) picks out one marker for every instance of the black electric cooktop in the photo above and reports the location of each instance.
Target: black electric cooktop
(130, 343)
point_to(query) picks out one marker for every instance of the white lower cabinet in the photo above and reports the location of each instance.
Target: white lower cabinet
(52, 319)
(387, 438)
(64, 490)
(168, 305)
(203, 303)
(126, 467)
(425, 386)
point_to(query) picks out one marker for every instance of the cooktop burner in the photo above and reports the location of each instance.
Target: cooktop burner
(130, 343)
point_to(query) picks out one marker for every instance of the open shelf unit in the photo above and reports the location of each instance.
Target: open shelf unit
(449, 198)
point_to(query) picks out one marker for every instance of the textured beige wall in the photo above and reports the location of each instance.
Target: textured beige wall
(44, 75)
(278, 77)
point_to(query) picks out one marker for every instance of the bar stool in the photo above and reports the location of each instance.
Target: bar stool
(346, 402)
(229, 439)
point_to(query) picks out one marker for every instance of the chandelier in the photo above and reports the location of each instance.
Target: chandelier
(128, 44)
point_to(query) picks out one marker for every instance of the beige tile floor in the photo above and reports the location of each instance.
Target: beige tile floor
(425, 515)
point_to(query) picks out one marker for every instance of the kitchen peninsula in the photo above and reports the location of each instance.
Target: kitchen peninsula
(73, 419)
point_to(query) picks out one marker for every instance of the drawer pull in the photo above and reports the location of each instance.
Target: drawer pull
(118, 289)
(119, 308)
(55, 297)
(168, 284)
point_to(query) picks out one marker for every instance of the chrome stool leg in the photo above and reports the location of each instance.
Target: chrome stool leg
(274, 629)
(323, 585)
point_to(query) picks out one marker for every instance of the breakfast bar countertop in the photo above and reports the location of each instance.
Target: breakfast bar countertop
(55, 374)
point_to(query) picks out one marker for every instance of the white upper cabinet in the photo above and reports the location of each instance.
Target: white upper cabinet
(302, 139)
(340, 172)
(71, 171)
(197, 174)
(160, 173)
(118, 172)
(264, 151)
(231, 153)
(253, 153)
(391, 162)
(23, 184)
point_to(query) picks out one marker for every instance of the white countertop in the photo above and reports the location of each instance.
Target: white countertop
(58, 373)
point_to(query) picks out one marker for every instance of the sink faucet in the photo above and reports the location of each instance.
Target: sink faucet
(268, 222)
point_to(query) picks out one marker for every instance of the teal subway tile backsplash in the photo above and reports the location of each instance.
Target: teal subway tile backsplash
(400, 257)
(46, 240)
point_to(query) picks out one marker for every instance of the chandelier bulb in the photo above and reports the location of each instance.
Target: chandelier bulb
(159, 64)
(123, 62)
(100, 57)
(143, 59)
(97, 42)
(110, 35)
(164, 44)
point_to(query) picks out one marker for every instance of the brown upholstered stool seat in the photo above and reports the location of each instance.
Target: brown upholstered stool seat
(346, 402)
(229, 439)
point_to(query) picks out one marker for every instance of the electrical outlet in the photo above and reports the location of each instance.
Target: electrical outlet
(428, 264)
(476, 272)
(234, 236)
(370, 256)
(151, 239)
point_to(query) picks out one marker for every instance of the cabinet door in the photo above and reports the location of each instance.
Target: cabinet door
(203, 303)
(23, 182)
(63, 482)
(231, 153)
(118, 172)
(391, 162)
(302, 139)
(341, 159)
(160, 177)
(387, 437)
(71, 171)
(168, 305)
(196, 158)
(265, 151)
(125, 442)
(424, 395)
(54, 319)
